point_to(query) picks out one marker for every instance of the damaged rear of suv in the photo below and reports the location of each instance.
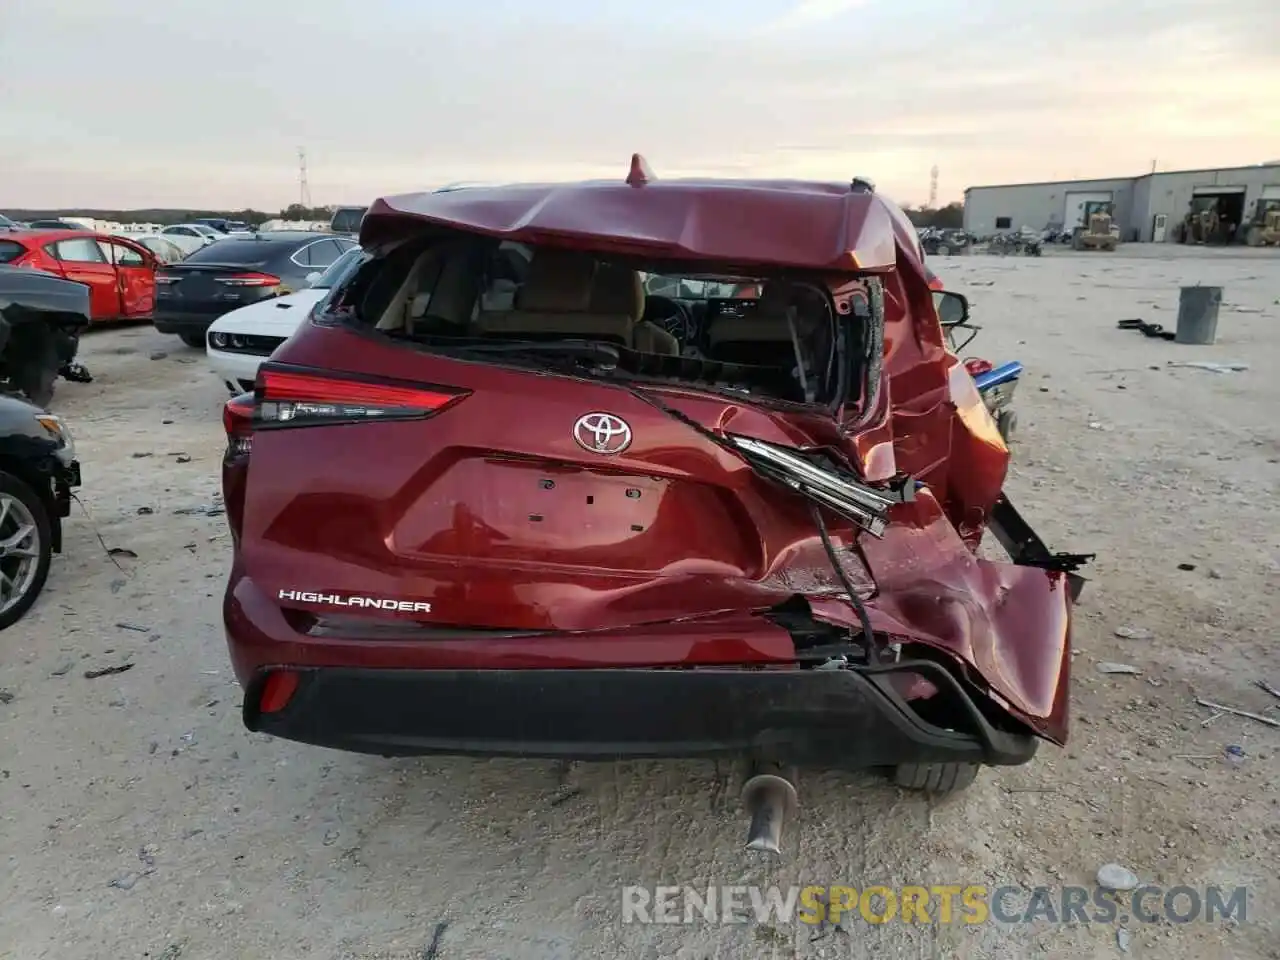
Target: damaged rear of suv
(496, 498)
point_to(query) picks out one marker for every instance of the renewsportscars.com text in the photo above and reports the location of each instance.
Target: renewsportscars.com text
(938, 903)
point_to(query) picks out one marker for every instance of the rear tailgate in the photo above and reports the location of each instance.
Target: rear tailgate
(490, 513)
(197, 287)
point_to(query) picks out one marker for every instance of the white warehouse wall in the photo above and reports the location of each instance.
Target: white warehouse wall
(1037, 205)
(1137, 199)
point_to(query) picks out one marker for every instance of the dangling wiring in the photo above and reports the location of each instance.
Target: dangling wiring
(868, 635)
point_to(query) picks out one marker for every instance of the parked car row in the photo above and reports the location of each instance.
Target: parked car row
(41, 316)
(57, 278)
(119, 272)
(163, 247)
(236, 272)
(239, 341)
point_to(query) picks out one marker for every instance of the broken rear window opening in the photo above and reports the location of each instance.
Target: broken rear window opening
(760, 336)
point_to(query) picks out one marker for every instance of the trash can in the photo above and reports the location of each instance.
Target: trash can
(1198, 314)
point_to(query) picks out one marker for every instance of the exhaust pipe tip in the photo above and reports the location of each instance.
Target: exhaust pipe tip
(771, 800)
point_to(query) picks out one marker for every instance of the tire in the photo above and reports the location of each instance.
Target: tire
(15, 493)
(935, 778)
(944, 250)
(195, 340)
(1007, 424)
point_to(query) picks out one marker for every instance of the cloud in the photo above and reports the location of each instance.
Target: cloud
(177, 107)
(815, 11)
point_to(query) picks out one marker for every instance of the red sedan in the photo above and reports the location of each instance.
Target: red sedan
(120, 274)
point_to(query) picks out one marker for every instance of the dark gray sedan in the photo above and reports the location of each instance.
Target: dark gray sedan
(237, 271)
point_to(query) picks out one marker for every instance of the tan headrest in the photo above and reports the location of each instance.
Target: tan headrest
(559, 281)
(617, 290)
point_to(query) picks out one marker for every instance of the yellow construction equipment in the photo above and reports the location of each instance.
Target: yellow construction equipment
(1099, 234)
(1265, 229)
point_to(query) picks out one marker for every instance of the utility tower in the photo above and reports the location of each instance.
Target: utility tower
(304, 191)
(933, 188)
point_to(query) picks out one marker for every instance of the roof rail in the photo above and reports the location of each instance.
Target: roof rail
(462, 185)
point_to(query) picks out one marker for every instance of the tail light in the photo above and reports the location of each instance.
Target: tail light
(300, 397)
(237, 421)
(250, 280)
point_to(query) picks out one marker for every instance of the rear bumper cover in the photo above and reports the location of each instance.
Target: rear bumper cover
(171, 321)
(817, 718)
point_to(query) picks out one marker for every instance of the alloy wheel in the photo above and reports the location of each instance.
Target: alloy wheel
(19, 551)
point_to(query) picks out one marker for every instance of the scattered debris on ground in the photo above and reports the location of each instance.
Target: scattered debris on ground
(1119, 668)
(235, 822)
(1211, 367)
(107, 671)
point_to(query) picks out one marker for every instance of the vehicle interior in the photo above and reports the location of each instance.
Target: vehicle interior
(759, 335)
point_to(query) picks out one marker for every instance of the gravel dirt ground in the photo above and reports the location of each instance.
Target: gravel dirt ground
(139, 819)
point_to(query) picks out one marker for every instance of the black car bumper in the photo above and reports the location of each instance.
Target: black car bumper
(64, 477)
(171, 321)
(814, 718)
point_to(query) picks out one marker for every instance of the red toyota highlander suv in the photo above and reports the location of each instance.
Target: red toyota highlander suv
(494, 499)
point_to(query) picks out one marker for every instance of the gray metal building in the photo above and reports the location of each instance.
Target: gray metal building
(1146, 208)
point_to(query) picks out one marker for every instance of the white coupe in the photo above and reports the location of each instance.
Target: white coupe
(239, 341)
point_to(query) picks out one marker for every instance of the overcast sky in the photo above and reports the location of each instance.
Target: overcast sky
(116, 103)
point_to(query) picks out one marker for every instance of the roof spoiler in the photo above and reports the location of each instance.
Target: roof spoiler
(640, 172)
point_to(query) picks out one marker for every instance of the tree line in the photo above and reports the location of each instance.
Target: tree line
(167, 216)
(950, 217)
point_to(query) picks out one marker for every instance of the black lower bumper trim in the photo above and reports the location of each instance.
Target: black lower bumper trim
(66, 477)
(64, 482)
(180, 323)
(813, 718)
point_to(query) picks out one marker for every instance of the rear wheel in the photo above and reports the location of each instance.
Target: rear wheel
(935, 778)
(26, 548)
(944, 250)
(193, 340)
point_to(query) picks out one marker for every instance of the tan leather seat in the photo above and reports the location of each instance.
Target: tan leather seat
(618, 290)
(555, 302)
(436, 296)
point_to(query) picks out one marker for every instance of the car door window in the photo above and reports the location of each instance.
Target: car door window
(10, 251)
(319, 254)
(123, 256)
(79, 250)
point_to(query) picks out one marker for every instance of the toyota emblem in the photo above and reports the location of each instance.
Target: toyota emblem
(602, 433)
